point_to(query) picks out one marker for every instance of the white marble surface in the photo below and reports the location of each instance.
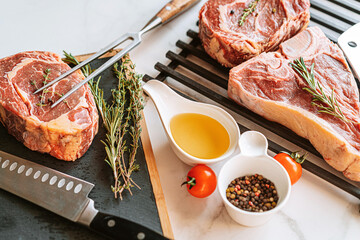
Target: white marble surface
(315, 210)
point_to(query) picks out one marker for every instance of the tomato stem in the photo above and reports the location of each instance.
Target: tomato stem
(191, 182)
(296, 156)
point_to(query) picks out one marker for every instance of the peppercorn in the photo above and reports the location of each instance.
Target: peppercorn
(252, 193)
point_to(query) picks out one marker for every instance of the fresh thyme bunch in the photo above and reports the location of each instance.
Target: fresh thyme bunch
(120, 118)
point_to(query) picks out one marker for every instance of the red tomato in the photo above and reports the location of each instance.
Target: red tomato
(201, 181)
(292, 163)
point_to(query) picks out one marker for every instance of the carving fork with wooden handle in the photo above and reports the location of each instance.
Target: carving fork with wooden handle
(168, 12)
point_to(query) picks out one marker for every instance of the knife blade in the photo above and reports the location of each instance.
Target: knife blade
(66, 196)
(349, 42)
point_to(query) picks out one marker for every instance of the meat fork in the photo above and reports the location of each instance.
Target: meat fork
(167, 13)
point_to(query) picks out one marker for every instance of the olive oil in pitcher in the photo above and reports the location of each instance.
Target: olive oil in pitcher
(199, 135)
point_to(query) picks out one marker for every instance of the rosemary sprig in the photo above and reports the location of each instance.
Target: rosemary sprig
(69, 58)
(324, 103)
(121, 118)
(247, 12)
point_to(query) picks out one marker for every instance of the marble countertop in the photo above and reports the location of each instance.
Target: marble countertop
(315, 210)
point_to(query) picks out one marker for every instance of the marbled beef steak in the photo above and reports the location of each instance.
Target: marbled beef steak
(272, 22)
(269, 86)
(64, 132)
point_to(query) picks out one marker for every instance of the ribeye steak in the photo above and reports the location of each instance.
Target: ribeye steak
(66, 131)
(272, 22)
(269, 86)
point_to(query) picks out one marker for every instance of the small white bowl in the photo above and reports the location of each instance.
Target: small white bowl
(253, 159)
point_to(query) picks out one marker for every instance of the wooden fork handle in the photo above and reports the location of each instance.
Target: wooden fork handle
(174, 8)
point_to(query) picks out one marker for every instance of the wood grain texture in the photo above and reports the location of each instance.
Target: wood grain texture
(173, 8)
(111, 53)
(155, 181)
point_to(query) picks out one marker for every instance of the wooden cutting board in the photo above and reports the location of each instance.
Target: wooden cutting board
(20, 219)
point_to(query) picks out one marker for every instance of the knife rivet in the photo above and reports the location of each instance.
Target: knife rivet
(141, 236)
(352, 44)
(111, 223)
(168, 8)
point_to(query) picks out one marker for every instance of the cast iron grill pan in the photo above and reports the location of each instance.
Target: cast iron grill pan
(332, 16)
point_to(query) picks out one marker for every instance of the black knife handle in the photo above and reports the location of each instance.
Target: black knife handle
(118, 228)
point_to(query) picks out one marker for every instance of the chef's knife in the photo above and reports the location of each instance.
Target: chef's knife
(349, 42)
(66, 196)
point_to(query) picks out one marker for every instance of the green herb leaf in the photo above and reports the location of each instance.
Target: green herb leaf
(328, 104)
(119, 121)
(247, 12)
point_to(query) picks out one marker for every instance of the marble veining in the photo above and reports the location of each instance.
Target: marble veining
(315, 210)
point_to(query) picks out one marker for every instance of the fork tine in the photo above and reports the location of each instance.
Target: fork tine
(107, 64)
(92, 58)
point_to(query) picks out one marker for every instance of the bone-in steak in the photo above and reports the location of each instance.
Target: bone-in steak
(272, 22)
(66, 131)
(269, 86)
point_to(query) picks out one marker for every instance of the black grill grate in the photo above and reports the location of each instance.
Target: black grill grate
(333, 17)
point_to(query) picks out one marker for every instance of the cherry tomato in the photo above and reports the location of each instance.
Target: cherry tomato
(201, 181)
(292, 163)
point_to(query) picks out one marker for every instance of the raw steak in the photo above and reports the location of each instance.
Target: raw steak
(270, 87)
(272, 22)
(64, 132)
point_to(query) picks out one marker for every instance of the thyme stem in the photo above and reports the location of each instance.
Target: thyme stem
(247, 12)
(46, 75)
(121, 118)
